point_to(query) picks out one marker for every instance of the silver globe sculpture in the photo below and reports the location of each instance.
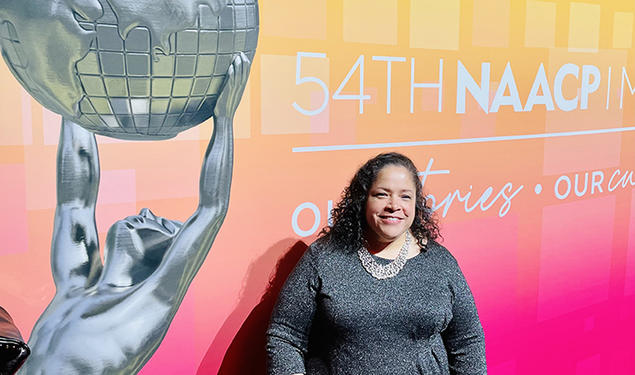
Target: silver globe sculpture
(136, 70)
(130, 69)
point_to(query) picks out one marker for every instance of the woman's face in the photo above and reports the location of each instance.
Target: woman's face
(390, 207)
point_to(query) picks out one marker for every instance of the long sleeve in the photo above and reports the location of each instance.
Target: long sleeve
(292, 317)
(463, 338)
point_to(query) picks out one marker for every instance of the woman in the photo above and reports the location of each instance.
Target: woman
(375, 294)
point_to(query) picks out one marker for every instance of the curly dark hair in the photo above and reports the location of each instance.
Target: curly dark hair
(349, 220)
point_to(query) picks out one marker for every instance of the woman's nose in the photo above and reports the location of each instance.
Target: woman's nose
(391, 205)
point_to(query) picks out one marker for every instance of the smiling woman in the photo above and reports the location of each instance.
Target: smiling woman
(366, 299)
(390, 206)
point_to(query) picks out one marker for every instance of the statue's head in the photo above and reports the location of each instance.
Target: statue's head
(135, 247)
(127, 69)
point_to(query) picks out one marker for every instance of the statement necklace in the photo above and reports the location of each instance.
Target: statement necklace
(389, 270)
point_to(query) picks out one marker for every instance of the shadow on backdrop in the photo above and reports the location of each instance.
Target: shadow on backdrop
(246, 353)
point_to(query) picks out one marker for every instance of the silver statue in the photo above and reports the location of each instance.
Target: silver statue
(110, 319)
(142, 69)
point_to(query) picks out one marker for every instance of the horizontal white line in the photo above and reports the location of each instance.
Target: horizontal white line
(458, 141)
(441, 171)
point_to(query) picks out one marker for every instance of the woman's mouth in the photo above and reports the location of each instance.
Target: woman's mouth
(390, 219)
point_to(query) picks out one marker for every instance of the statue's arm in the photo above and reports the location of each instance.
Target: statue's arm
(189, 249)
(75, 259)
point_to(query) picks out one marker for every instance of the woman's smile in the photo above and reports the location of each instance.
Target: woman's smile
(391, 219)
(390, 206)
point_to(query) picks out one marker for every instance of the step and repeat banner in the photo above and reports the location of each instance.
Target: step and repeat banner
(520, 116)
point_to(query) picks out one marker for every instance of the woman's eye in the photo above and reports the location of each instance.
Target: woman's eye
(381, 195)
(405, 197)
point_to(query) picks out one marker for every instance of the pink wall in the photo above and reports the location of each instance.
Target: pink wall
(553, 273)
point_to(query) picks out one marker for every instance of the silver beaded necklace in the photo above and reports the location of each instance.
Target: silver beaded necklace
(389, 270)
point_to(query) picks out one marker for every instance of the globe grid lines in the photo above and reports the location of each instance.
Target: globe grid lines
(119, 111)
(185, 108)
(121, 97)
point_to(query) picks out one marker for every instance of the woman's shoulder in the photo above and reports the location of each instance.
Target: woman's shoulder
(322, 251)
(321, 248)
(440, 253)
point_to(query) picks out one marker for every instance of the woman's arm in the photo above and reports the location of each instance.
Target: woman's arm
(292, 317)
(463, 338)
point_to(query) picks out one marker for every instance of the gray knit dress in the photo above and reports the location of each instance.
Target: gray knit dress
(332, 317)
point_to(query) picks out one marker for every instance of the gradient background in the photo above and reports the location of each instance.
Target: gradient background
(553, 279)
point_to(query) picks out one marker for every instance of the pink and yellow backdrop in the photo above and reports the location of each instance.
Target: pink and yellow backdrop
(519, 114)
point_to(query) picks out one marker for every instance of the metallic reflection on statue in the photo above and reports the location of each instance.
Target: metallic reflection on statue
(133, 70)
(127, 69)
(13, 350)
(110, 319)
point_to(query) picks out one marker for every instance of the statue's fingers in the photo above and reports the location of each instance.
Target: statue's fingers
(238, 66)
(246, 67)
(231, 72)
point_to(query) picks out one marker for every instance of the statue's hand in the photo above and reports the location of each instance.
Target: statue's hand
(231, 93)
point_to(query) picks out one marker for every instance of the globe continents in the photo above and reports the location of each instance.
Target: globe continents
(140, 69)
